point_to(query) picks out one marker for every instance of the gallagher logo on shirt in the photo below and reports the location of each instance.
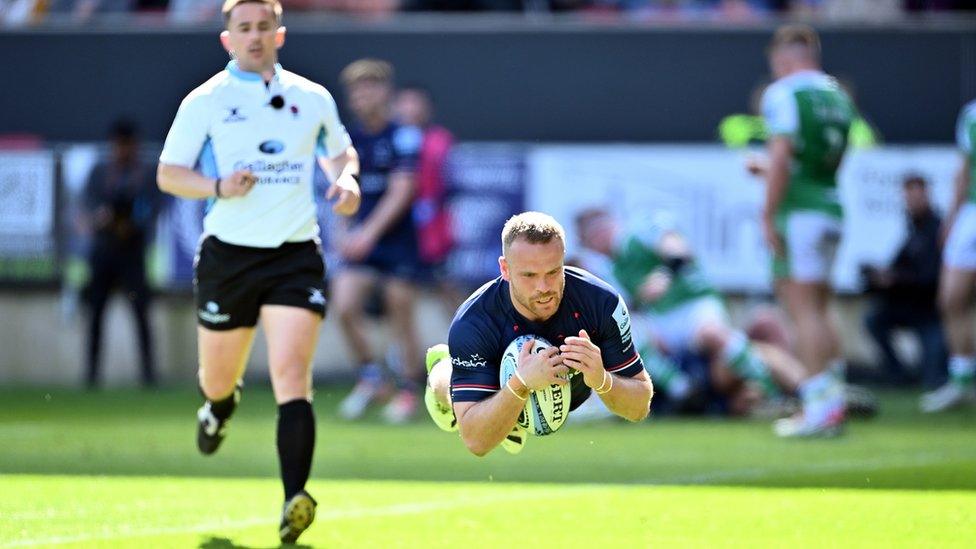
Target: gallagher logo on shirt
(271, 146)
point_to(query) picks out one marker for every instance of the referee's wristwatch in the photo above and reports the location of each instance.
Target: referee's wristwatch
(217, 188)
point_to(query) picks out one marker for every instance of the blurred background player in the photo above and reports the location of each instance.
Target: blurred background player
(959, 277)
(121, 204)
(380, 249)
(414, 106)
(584, 318)
(260, 255)
(904, 293)
(677, 311)
(809, 117)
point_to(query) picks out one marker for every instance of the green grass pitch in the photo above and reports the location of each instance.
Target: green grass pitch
(120, 469)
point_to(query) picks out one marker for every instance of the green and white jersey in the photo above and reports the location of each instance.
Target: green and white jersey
(965, 137)
(637, 257)
(812, 110)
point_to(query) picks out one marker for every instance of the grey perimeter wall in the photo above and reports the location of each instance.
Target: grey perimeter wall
(42, 347)
(567, 84)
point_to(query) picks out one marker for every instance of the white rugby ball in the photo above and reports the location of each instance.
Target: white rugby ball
(545, 410)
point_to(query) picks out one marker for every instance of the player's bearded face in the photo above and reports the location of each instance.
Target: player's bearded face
(253, 36)
(535, 276)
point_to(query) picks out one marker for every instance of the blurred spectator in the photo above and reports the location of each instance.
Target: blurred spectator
(121, 202)
(939, 5)
(193, 11)
(465, 5)
(82, 10)
(593, 227)
(363, 7)
(904, 293)
(413, 107)
(21, 12)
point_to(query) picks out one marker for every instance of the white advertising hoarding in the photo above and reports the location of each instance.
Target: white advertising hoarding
(707, 192)
(27, 189)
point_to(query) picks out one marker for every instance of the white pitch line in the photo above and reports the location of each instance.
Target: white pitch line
(409, 508)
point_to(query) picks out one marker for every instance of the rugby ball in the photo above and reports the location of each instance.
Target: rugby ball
(546, 410)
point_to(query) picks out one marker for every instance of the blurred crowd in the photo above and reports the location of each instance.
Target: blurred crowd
(20, 12)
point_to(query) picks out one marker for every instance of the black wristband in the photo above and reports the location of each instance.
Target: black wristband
(217, 188)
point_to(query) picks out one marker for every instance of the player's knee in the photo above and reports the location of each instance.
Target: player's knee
(348, 311)
(399, 301)
(440, 382)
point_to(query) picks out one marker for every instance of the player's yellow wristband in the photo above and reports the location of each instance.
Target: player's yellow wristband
(607, 377)
(509, 387)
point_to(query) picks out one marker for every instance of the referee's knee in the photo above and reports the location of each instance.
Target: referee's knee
(217, 388)
(291, 382)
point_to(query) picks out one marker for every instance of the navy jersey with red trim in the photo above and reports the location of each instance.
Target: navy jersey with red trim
(487, 322)
(393, 149)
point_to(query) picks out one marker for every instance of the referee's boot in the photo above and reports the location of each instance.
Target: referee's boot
(296, 517)
(212, 429)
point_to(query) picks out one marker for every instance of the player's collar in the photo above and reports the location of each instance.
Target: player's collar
(235, 70)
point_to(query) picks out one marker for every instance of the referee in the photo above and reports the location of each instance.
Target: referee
(245, 140)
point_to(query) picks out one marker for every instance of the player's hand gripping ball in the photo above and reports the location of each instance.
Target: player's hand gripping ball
(545, 410)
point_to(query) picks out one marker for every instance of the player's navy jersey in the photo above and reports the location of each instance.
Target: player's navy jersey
(394, 149)
(487, 322)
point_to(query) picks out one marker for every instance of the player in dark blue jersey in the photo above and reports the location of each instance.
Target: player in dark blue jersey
(583, 317)
(381, 248)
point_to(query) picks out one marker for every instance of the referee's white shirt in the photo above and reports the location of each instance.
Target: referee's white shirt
(229, 124)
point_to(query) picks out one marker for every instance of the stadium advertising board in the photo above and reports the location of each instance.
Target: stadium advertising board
(486, 187)
(28, 252)
(706, 192)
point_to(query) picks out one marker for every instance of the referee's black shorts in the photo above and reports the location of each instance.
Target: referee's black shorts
(232, 282)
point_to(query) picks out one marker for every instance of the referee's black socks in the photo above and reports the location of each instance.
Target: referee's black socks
(296, 442)
(224, 408)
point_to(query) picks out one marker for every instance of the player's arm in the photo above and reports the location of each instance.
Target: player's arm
(675, 251)
(484, 424)
(394, 204)
(397, 201)
(962, 179)
(628, 397)
(343, 171)
(777, 179)
(782, 117)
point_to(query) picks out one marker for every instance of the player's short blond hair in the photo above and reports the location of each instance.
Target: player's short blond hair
(229, 6)
(533, 227)
(801, 36)
(361, 70)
